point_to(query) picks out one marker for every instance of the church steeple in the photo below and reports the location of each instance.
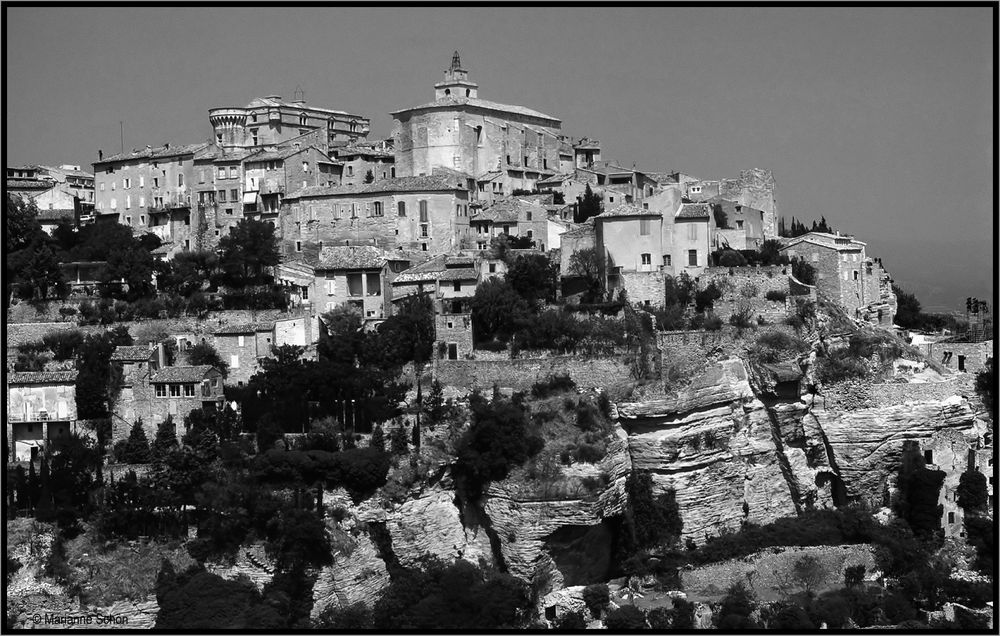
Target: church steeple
(456, 82)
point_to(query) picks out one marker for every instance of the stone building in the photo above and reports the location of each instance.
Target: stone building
(451, 282)
(744, 225)
(429, 214)
(753, 188)
(242, 347)
(270, 174)
(630, 241)
(458, 130)
(954, 453)
(359, 276)
(964, 357)
(41, 411)
(846, 274)
(62, 195)
(150, 190)
(692, 239)
(359, 159)
(269, 121)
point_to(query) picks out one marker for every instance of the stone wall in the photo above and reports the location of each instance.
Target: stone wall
(643, 287)
(852, 396)
(453, 329)
(975, 354)
(747, 287)
(521, 374)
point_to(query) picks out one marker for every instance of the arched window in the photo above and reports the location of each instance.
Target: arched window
(303, 119)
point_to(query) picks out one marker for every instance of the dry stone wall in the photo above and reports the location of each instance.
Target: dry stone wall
(520, 374)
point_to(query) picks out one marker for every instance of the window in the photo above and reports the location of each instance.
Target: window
(128, 200)
(240, 341)
(961, 363)
(234, 194)
(201, 176)
(354, 211)
(423, 247)
(644, 227)
(188, 390)
(530, 234)
(305, 166)
(113, 184)
(232, 172)
(378, 208)
(180, 180)
(298, 246)
(457, 286)
(222, 196)
(142, 219)
(423, 210)
(156, 182)
(695, 189)
(611, 199)
(493, 268)
(229, 211)
(647, 259)
(161, 390)
(527, 216)
(253, 135)
(142, 202)
(401, 206)
(102, 186)
(373, 283)
(666, 260)
(114, 204)
(739, 224)
(692, 232)
(951, 517)
(218, 139)
(127, 183)
(128, 220)
(234, 361)
(693, 257)
(175, 390)
(855, 274)
(354, 285)
(929, 456)
(350, 171)
(423, 231)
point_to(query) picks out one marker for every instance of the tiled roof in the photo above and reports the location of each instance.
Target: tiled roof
(56, 214)
(693, 211)
(259, 102)
(28, 184)
(435, 183)
(663, 178)
(182, 374)
(155, 153)
(489, 176)
(507, 210)
(42, 377)
(805, 238)
(71, 172)
(422, 272)
(276, 153)
(587, 144)
(214, 153)
(554, 179)
(244, 328)
(351, 257)
(131, 353)
(458, 273)
(452, 101)
(627, 209)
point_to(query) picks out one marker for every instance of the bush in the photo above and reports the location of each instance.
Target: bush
(555, 383)
(590, 453)
(803, 272)
(571, 621)
(712, 323)
(705, 298)
(63, 344)
(596, 597)
(776, 295)
(66, 312)
(731, 258)
(135, 450)
(741, 317)
(627, 617)
(972, 493)
(840, 366)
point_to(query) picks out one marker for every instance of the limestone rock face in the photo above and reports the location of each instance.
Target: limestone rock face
(522, 523)
(358, 574)
(431, 525)
(715, 445)
(866, 443)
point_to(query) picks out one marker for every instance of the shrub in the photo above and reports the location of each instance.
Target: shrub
(571, 621)
(555, 383)
(776, 295)
(590, 453)
(596, 597)
(705, 298)
(731, 258)
(496, 441)
(712, 323)
(66, 312)
(741, 317)
(803, 272)
(63, 344)
(626, 617)
(135, 450)
(972, 493)
(749, 290)
(840, 366)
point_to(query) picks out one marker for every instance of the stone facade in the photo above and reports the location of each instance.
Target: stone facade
(453, 335)
(954, 453)
(269, 121)
(753, 188)
(475, 136)
(746, 288)
(242, 347)
(966, 357)
(423, 214)
(41, 409)
(520, 374)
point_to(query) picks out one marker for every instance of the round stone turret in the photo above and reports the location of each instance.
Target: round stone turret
(229, 125)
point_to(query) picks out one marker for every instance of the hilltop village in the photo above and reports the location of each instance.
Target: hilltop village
(473, 375)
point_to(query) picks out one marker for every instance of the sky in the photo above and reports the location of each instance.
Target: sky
(879, 119)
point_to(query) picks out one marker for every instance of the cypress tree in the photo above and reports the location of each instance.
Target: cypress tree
(136, 449)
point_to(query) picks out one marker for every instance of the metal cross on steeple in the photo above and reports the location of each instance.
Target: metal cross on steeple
(456, 62)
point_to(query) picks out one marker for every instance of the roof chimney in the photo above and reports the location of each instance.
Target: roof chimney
(166, 145)
(100, 154)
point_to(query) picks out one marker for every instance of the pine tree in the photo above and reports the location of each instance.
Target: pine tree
(434, 405)
(590, 204)
(398, 442)
(377, 439)
(166, 439)
(136, 449)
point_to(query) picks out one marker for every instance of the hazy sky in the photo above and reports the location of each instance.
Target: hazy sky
(879, 119)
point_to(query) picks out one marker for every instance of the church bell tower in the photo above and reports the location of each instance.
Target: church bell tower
(456, 82)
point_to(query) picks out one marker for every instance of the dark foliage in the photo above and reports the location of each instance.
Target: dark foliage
(199, 600)
(247, 252)
(533, 277)
(704, 299)
(554, 384)
(590, 204)
(735, 609)
(596, 597)
(803, 272)
(627, 617)
(205, 353)
(135, 449)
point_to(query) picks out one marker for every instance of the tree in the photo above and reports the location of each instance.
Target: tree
(377, 440)
(534, 277)
(809, 572)
(188, 272)
(854, 575)
(731, 258)
(495, 310)
(596, 597)
(434, 406)
(369, 177)
(587, 263)
(986, 388)
(972, 494)
(36, 273)
(627, 617)
(247, 252)
(132, 266)
(399, 440)
(588, 205)
(652, 521)
(803, 272)
(354, 617)
(705, 299)
(165, 440)
(95, 387)
(571, 621)
(736, 608)
(205, 353)
(770, 252)
(135, 450)
(720, 216)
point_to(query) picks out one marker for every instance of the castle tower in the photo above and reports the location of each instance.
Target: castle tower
(229, 126)
(456, 82)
